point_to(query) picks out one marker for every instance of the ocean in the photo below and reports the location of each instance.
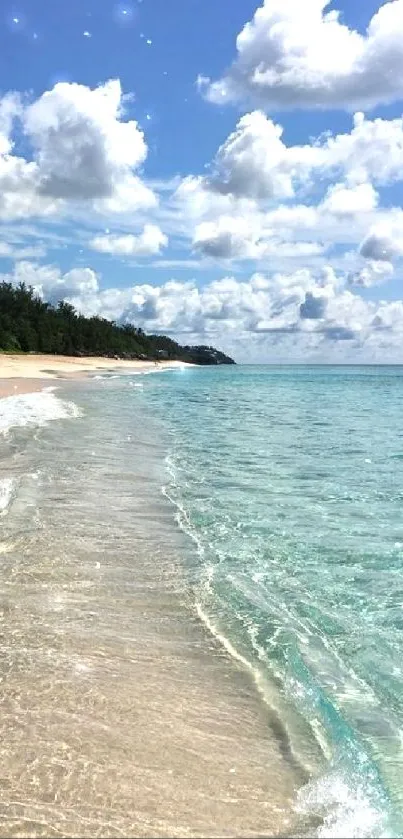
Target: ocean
(221, 548)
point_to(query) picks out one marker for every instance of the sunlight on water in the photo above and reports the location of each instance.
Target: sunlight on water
(143, 628)
(290, 482)
(120, 714)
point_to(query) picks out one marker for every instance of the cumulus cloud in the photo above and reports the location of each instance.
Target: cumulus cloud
(229, 238)
(301, 55)
(19, 195)
(342, 200)
(149, 242)
(372, 273)
(233, 212)
(51, 284)
(83, 150)
(263, 312)
(383, 243)
(18, 177)
(255, 163)
(372, 151)
(245, 238)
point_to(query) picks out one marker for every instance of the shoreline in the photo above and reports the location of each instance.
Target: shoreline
(19, 386)
(185, 746)
(20, 374)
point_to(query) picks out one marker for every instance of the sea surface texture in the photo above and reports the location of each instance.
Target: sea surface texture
(155, 529)
(290, 482)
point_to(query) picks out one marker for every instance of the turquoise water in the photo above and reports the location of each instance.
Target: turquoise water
(290, 482)
(288, 485)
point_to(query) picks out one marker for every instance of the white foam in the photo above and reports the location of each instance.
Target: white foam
(7, 488)
(34, 409)
(347, 809)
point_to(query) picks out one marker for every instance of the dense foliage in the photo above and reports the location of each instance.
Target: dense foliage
(27, 324)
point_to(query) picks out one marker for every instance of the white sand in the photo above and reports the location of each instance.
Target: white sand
(27, 373)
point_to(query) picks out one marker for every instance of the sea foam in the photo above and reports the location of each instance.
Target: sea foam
(7, 489)
(347, 807)
(34, 409)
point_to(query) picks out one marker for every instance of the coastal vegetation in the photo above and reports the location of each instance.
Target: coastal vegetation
(28, 324)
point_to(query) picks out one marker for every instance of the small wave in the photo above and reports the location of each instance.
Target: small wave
(7, 490)
(202, 592)
(348, 797)
(35, 409)
(347, 807)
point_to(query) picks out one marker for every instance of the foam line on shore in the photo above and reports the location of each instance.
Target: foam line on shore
(34, 409)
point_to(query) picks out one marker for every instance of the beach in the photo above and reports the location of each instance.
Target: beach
(121, 714)
(26, 373)
(182, 652)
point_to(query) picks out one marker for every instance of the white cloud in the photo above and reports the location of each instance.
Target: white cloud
(382, 245)
(87, 155)
(373, 151)
(50, 284)
(233, 211)
(229, 238)
(372, 273)
(389, 317)
(295, 54)
(19, 196)
(128, 196)
(315, 206)
(384, 242)
(341, 200)
(84, 151)
(195, 200)
(149, 242)
(82, 147)
(244, 237)
(255, 163)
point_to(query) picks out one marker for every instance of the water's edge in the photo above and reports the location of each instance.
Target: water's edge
(120, 713)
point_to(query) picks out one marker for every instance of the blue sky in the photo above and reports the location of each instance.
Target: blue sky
(196, 167)
(188, 37)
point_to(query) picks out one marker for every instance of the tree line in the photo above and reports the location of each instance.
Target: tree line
(28, 324)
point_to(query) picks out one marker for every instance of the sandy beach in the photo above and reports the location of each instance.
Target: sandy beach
(28, 373)
(121, 715)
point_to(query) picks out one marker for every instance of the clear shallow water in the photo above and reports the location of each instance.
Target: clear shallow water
(287, 484)
(290, 482)
(119, 713)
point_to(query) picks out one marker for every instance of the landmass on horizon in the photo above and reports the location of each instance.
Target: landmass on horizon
(30, 325)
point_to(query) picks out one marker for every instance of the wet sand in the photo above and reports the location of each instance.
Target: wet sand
(15, 386)
(151, 734)
(119, 714)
